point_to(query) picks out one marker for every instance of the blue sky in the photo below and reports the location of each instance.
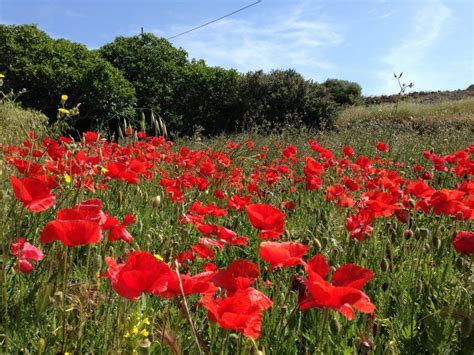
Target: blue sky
(431, 41)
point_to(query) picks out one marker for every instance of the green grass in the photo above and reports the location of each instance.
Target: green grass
(16, 122)
(409, 115)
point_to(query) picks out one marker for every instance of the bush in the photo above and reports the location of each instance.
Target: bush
(47, 68)
(207, 98)
(344, 92)
(284, 97)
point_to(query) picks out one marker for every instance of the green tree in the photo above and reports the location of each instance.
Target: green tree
(207, 97)
(47, 68)
(154, 67)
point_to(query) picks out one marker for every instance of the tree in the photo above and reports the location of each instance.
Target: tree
(47, 68)
(154, 67)
(206, 97)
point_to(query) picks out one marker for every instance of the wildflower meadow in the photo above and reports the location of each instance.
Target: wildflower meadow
(235, 245)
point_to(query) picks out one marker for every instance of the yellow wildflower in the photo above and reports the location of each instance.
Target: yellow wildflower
(64, 98)
(63, 111)
(144, 332)
(146, 321)
(160, 258)
(104, 170)
(135, 330)
(2, 76)
(67, 178)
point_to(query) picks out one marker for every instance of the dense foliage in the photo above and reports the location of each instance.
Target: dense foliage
(47, 68)
(147, 74)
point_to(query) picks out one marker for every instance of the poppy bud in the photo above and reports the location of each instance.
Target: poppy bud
(335, 326)
(156, 201)
(436, 242)
(98, 261)
(41, 345)
(317, 245)
(120, 197)
(144, 346)
(384, 265)
(234, 336)
(466, 327)
(411, 202)
(422, 233)
(460, 264)
(391, 348)
(407, 234)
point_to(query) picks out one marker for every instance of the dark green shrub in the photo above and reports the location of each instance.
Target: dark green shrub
(321, 108)
(276, 97)
(207, 97)
(285, 97)
(344, 92)
(47, 68)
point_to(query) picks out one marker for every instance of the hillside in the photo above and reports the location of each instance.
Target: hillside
(423, 96)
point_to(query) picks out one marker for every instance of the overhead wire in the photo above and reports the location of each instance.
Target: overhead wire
(215, 20)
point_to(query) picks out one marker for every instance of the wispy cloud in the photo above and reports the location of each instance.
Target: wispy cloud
(411, 53)
(296, 38)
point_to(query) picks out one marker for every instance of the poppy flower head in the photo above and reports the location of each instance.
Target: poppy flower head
(342, 294)
(25, 252)
(382, 147)
(464, 242)
(282, 254)
(33, 193)
(142, 272)
(242, 311)
(269, 219)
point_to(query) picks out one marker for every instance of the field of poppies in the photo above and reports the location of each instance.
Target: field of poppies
(279, 245)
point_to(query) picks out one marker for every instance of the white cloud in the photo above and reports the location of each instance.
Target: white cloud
(295, 39)
(411, 54)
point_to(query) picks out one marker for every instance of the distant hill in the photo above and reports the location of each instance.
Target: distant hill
(423, 96)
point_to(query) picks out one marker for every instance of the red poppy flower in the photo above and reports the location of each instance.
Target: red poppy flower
(241, 312)
(239, 275)
(380, 203)
(419, 189)
(447, 202)
(117, 230)
(34, 194)
(269, 219)
(348, 151)
(203, 251)
(25, 252)
(464, 242)
(343, 294)
(282, 254)
(142, 272)
(199, 283)
(360, 224)
(382, 147)
(75, 226)
(71, 232)
(91, 137)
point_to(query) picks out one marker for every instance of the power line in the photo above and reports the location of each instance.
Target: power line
(217, 19)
